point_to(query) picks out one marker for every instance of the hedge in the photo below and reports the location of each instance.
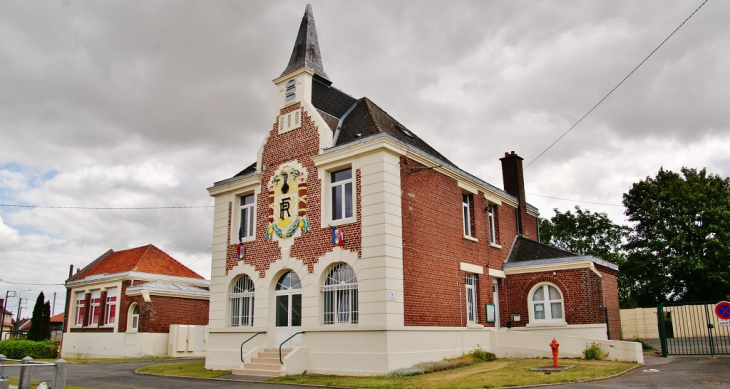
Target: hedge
(19, 349)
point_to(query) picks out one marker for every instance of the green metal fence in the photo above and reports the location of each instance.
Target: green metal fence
(692, 329)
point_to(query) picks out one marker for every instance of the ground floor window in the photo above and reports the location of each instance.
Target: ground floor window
(471, 298)
(546, 303)
(241, 297)
(340, 295)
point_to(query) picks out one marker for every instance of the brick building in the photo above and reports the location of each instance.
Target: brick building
(361, 248)
(123, 303)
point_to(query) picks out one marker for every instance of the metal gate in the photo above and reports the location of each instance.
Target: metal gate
(692, 329)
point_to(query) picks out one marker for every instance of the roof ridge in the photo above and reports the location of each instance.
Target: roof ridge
(370, 112)
(90, 265)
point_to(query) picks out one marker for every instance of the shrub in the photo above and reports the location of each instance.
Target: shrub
(19, 349)
(594, 352)
(482, 355)
(644, 344)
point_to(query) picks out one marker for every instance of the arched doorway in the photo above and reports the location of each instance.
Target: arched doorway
(288, 297)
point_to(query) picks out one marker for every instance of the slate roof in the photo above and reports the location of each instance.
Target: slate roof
(145, 259)
(306, 47)
(526, 252)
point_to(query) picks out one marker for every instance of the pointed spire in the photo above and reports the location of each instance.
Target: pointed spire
(306, 48)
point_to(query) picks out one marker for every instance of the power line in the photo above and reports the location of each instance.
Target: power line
(616, 87)
(102, 208)
(29, 283)
(576, 201)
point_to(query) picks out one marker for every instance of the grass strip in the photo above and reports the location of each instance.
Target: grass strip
(183, 369)
(499, 373)
(34, 384)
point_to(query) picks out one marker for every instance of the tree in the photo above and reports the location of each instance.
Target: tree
(47, 320)
(36, 321)
(585, 233)
(680, 244)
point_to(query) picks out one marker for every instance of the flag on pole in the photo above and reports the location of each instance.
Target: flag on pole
(337, 237)
(240, 250)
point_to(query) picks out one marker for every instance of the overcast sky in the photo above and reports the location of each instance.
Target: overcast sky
(146, 104)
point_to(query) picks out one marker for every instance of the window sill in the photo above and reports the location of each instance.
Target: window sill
(340, 222)
(131, 332)
(474, 326)
(496, 246)
(547, 323)
(247, 239)
(471, 238)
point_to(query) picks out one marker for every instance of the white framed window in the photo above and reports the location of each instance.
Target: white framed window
(340, 296)
(246, 217)
(241, 296)
(341, 194)
(546, 304)
(80, 308)
(470, 284)
(465, 201)
(94, 308)
(133, 318)
(110, 310)
(492, 232)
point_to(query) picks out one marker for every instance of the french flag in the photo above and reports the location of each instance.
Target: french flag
(337, 238)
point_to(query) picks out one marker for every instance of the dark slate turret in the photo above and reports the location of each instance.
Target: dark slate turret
(306, 48)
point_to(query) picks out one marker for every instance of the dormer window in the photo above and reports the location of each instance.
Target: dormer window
(404, 130)
(291, 88)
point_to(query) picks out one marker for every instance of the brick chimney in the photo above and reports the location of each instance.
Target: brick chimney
(514, 184)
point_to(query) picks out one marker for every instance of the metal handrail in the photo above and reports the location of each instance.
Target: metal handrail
(287, 339)
(245, 341)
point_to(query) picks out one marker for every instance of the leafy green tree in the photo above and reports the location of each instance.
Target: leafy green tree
(36, 321)
(585, 233)
(47, 320)
(679, 249)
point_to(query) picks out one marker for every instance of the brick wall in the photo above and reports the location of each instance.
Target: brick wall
(582, 295)
(301, 145)
(610, 291)
(434, 246)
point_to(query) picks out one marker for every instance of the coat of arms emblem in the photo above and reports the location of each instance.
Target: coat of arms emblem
(287, 201)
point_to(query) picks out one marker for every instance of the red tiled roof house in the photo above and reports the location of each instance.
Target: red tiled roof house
(124, 303)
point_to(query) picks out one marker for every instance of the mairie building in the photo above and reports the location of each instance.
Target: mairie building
(351, 246)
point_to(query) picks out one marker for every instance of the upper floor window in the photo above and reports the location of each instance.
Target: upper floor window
(110, 309)
(340, 295)
(341, 187)
(465, 202)
(546, 303)
(471, 297)
(80, 308)
(247, 211)
(94, 308)
(492, 233)
(241, 297)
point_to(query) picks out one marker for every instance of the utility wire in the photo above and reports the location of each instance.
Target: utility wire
(121, 208)
(28, 283)
(616, 87)
(577, 201)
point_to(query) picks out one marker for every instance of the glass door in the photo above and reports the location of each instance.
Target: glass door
(288, 295)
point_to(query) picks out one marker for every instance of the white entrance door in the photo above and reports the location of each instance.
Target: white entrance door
(495, 289)
(288, 300)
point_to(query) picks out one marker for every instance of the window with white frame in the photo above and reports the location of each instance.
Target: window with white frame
(471, 297)
(94, 308)
(246, 216)
(241, 297)
(340, 295)
(133, 325)
(110, 310)
(546, 303)
(80, 308)
(492, 232)
(341, 194)
(465, 201)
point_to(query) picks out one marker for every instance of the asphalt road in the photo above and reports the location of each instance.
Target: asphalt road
(673, 372)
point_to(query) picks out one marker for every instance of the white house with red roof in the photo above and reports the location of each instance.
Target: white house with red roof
(126, 303)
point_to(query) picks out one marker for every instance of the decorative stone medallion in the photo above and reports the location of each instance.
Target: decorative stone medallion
(287, 201)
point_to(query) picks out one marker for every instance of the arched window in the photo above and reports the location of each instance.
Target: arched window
(133, 318)
(340, 295)
(546, 303)
(242, 302)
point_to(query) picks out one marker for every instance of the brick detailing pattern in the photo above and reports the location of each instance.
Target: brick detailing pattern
(610, 293)
(300, 144)
(434, 246)
(582, 295)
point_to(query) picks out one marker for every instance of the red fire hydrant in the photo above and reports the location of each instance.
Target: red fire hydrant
(554, 346)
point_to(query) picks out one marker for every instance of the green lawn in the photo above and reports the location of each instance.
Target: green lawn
(499, 373)
(183, 369)
(34, 384)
